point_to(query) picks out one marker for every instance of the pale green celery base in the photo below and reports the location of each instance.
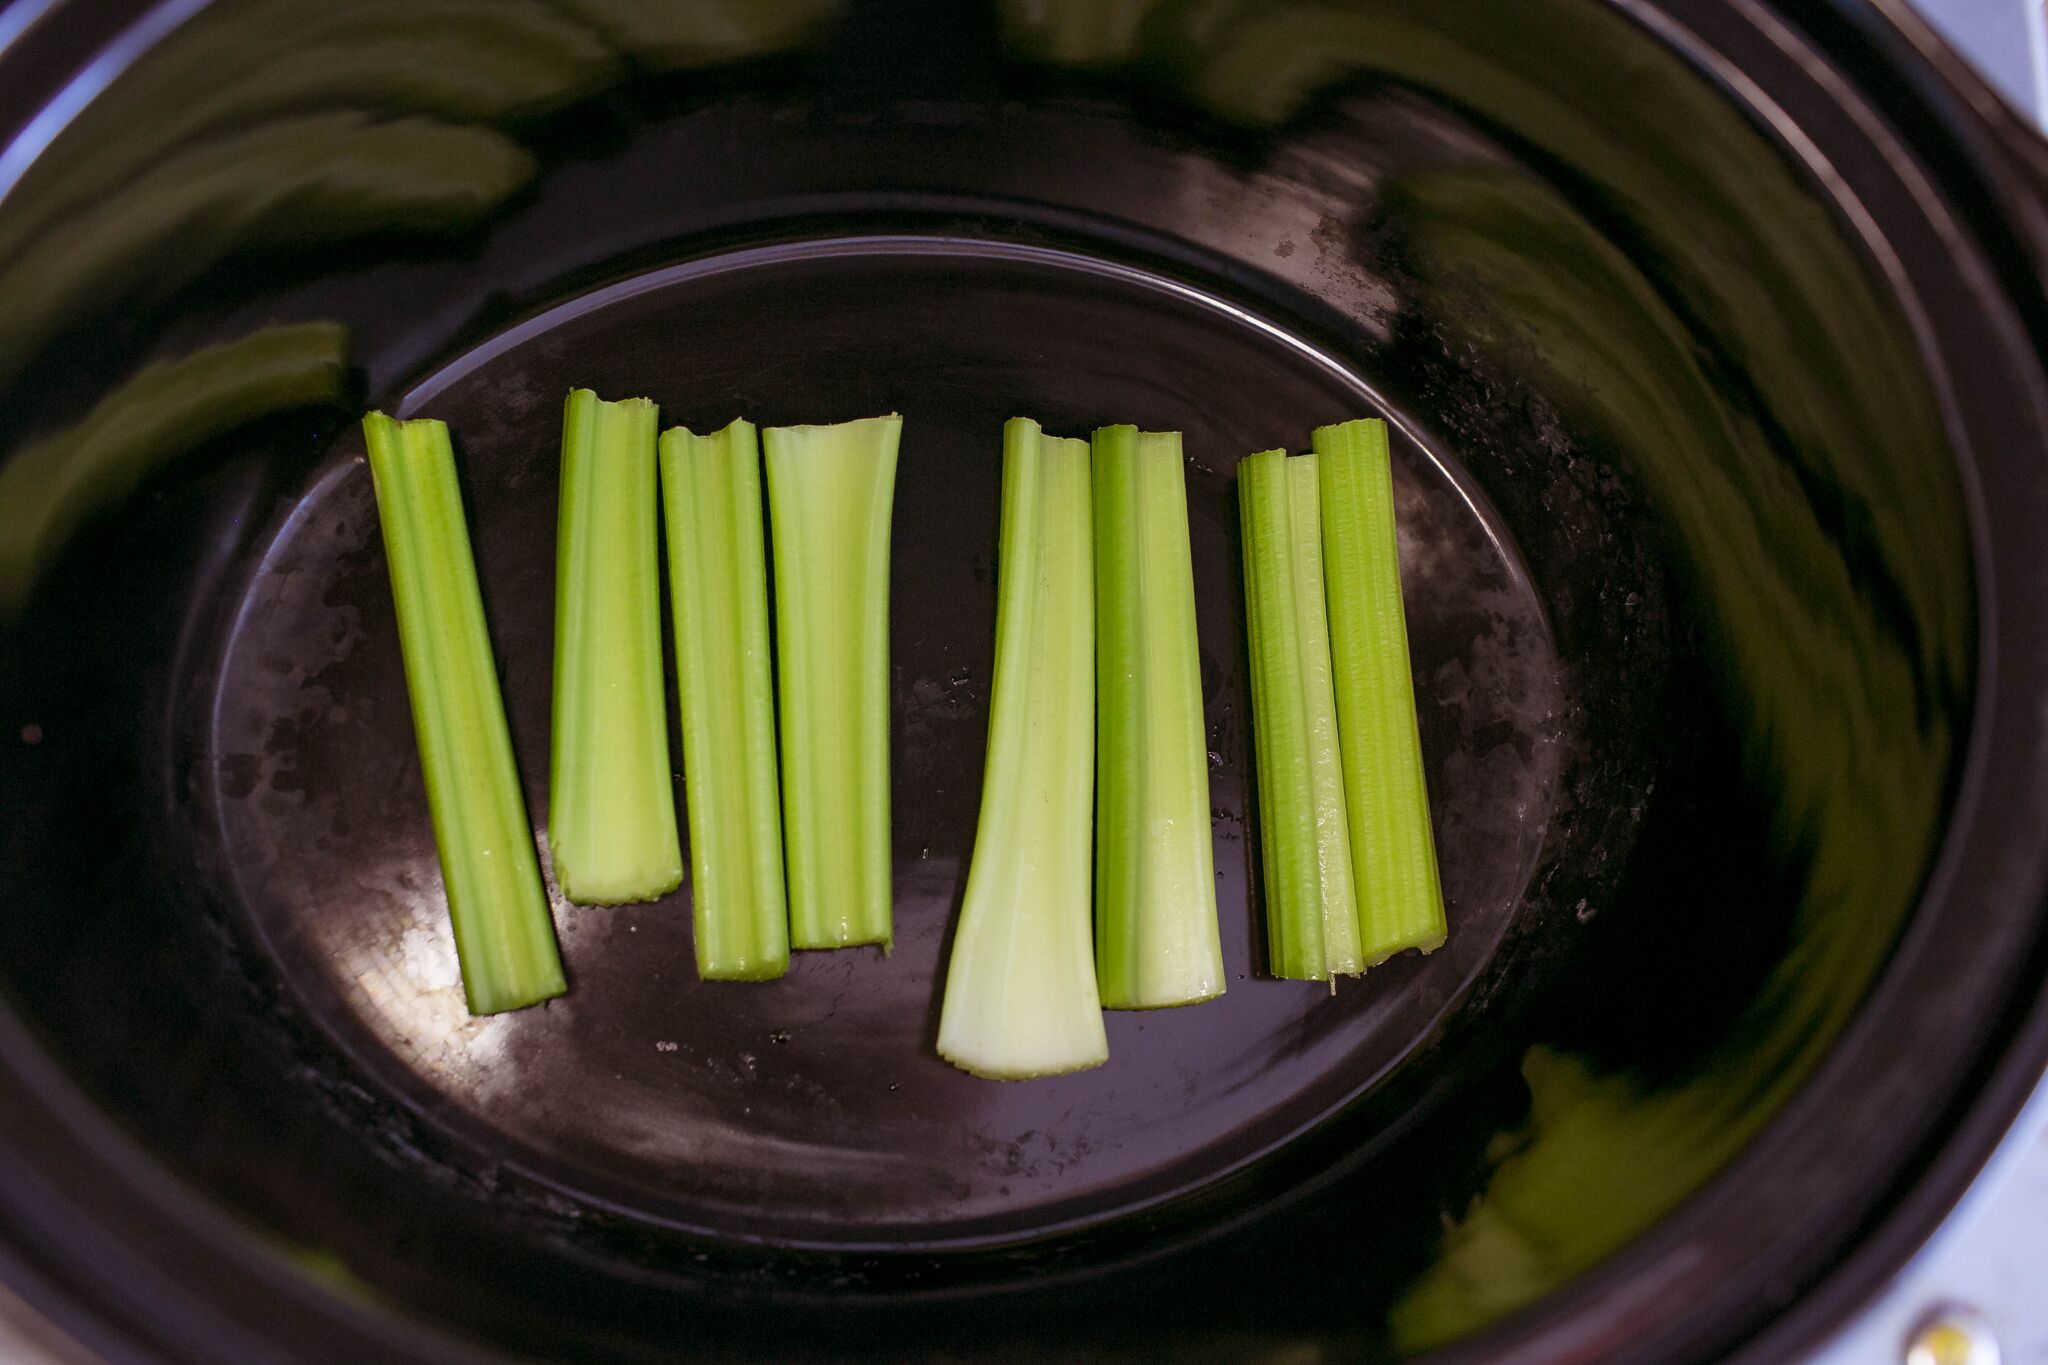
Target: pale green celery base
(632, 885)
(830, 496)
(504, 933)
(633, 888)
(1059, 1063)
(711, 487)
(1020, 998)
(611, 808)
(540, 990)
(1157, 940)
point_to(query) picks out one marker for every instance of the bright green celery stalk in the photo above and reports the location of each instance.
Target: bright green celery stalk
(503, 935)
(1156, 938)
(1021, 998)
(1401, 903)
(718, 580)
(1305, 847)
(830, 491)
(611, 805)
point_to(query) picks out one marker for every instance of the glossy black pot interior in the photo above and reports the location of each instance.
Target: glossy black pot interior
(1708, 333)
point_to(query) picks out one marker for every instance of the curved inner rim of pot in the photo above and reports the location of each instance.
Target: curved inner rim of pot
(1688, 583)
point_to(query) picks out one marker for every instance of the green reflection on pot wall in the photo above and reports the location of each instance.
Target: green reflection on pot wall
(1687, 302)
(265, 125)
(53, 486)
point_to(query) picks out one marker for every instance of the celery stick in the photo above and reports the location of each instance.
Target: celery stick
(718, 580)
(829, 495)
(611, 805)
(504, 938)
(1020, 993)
(1156, 940)
(1401, 903)
(1311, 897)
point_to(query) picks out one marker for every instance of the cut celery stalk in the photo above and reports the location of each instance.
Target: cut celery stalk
(504, 938)
(1401, 903)
(1156, 938)
(1020, 997)
(718, 580)
(830, 491)
(611, 804)
(1305, 847)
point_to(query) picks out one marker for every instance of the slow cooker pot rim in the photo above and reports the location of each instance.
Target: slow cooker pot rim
(53, 1251)
(1990, 168)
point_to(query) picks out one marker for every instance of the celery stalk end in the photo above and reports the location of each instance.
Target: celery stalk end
(1021, 998)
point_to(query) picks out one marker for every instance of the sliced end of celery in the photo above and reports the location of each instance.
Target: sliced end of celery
(1156, 938)
(1304, 844)
(1057, 1057)
(1401, 898)
(711, 487)
(830, 495)
(1390, 945)
(1021, 997)
(611, 806)
(504, 937)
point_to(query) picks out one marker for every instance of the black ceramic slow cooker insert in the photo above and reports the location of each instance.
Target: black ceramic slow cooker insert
(1710, 332)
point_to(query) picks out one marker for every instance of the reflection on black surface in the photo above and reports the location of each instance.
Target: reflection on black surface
(1680, 295)
(1689, 303)
(51, 487)
(306, 180)
(265, 125)
(1842, 743)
